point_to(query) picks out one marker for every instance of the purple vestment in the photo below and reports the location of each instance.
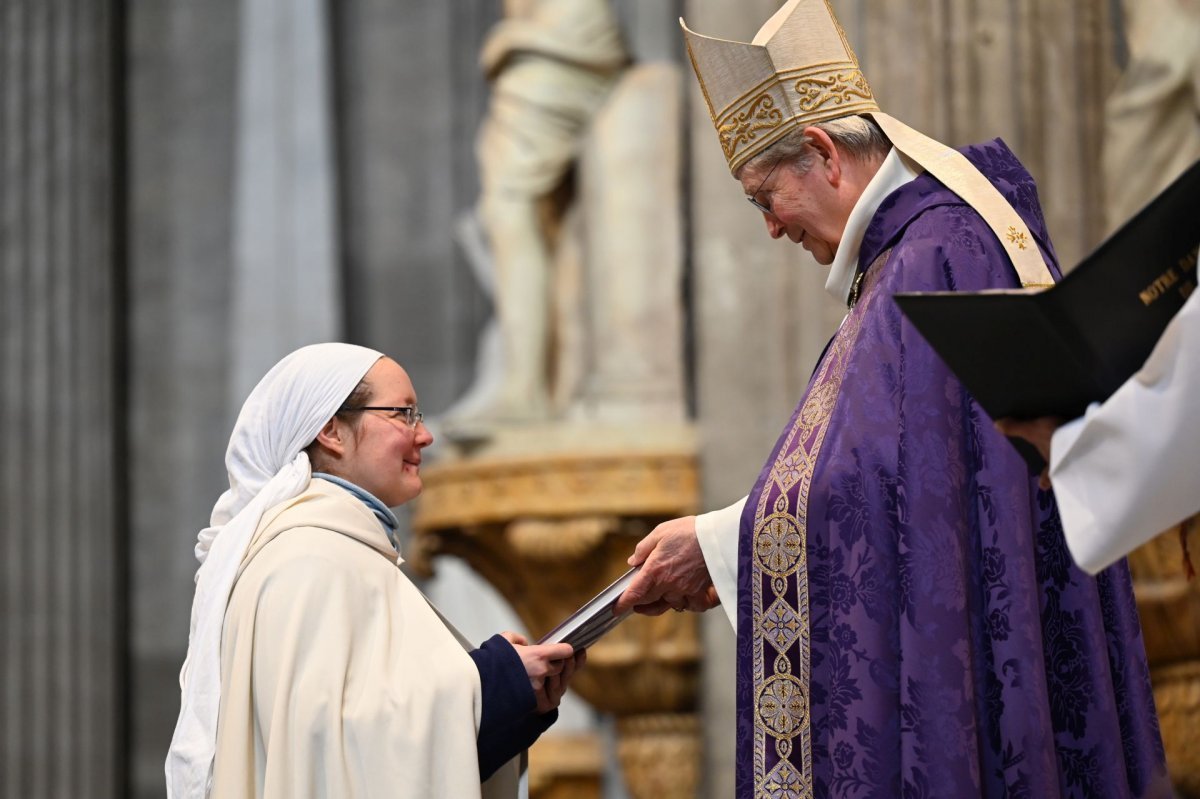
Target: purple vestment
(910, 623)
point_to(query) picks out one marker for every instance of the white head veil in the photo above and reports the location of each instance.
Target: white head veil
(267, 465)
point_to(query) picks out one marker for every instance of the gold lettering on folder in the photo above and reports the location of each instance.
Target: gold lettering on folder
(1159, 286)
(1172, 276)
(1187, 265)
(1188, 262)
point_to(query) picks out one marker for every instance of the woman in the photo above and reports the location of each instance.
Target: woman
(315, 667)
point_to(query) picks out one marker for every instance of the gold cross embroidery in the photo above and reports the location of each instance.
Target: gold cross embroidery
(1016, 237)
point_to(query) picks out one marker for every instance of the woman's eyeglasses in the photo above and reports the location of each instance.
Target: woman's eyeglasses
(409, 413)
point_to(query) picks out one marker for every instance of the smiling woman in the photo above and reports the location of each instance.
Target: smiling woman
(375, 438)
(315, 667)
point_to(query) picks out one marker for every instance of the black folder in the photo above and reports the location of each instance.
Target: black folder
(1026, 353)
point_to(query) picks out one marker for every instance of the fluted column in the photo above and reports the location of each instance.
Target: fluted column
(286, 289)
(61, 635)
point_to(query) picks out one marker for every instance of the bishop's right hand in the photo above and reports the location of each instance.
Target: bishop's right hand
(673, 576)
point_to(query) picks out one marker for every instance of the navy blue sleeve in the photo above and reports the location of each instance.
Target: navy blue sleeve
(510, 722)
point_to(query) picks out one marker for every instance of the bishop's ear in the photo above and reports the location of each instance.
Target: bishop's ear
(828, 155)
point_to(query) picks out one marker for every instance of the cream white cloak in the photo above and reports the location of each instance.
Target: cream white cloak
(338, 678)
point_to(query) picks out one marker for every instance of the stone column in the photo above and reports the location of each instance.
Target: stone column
(62, 623)
(181, 77)
(287, 291)
(409, 95)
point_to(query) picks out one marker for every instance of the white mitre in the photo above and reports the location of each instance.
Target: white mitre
(800, 70)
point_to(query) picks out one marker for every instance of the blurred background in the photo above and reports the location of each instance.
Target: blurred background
(190, 190)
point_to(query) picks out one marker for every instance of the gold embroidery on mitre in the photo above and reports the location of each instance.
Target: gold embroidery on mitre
(1016, 237)
(744, 127)
(739, 70)
(838, 88)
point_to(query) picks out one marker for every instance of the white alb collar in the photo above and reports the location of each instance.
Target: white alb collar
(894, 172)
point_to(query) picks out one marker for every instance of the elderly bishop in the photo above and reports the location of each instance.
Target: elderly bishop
(909, 621)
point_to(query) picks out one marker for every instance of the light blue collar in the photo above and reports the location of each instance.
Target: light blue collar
(382, 512)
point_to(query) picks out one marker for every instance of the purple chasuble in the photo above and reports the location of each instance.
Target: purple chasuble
(910, 623)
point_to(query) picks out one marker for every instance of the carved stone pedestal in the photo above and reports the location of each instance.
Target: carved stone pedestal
(651, 747)
(1169, 607)
(1177, 695)
(549, 530)
(566, 767)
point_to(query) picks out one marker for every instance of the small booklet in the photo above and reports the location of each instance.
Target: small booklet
(1027, 353)
(585, 626)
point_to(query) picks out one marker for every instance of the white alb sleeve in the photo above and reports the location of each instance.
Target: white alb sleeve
(1130, 468)
(717, 532)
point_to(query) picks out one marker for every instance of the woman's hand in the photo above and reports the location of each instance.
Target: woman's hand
(549, 666)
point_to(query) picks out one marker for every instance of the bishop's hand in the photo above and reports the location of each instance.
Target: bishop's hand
(673, 574)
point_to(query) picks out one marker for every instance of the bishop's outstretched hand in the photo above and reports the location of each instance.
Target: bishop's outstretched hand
(673, 574)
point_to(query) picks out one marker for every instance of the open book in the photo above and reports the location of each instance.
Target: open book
(1030, 353)
(585, 626)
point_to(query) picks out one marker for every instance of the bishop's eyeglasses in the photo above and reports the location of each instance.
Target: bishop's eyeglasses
(752, 197)
(411, 415)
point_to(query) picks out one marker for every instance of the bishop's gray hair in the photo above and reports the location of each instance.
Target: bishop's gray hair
(857, 136)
